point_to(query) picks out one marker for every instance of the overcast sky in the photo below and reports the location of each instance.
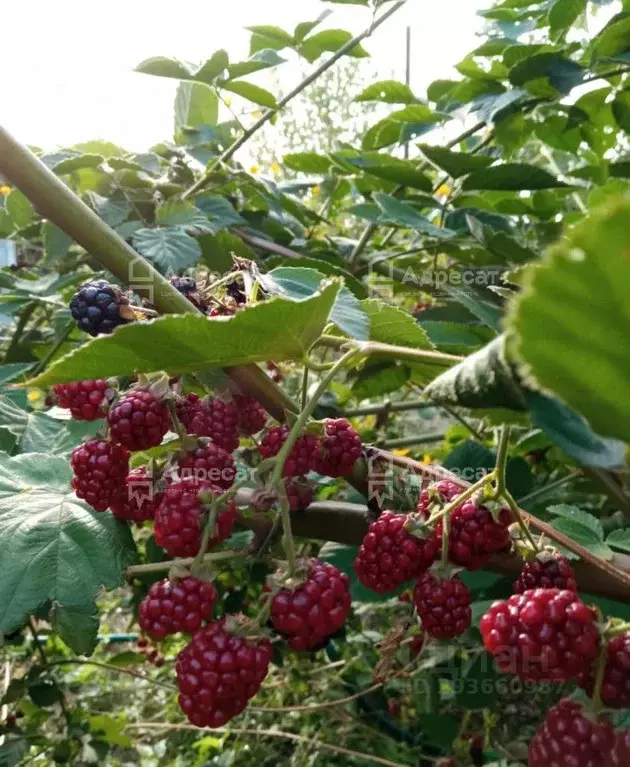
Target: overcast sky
(67, 66)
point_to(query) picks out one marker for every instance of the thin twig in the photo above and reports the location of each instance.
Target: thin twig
(110, 667)
(244, 137)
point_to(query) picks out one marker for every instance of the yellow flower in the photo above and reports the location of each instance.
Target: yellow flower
(254, 170)
(443, 190)
(426, 460)
(4, 190)
(34, 395)
(275, 167)
(316, 189)
(401, 451)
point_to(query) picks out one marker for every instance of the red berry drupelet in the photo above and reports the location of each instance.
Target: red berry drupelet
(86, 400)
(310, 613)
(443, 605)
(302, 457)
(390, 555)
(437, 495)
(137, 500)
(615, 689)
(139, 420)
(252, 416)
(208, 462)
(621, 749)
(210, 417)
(219, 672)
(543, 634)
(568, 737)
(548, 570)
(96, 307)
(340, 449)
(172, 606)
(100, 468)
(179, 517)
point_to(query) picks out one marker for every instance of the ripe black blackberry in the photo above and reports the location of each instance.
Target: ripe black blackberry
(188, 288)
(96, 307)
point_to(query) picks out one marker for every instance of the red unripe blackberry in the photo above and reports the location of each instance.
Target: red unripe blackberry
(475, 535)
(443, 605)
(315, 609)
(252, 416)
(218, 672)
(99, 468)
(548, 570)
(139, 420)
(179, 517)
(173, 606)
(300, 460)
(137, 500)
(568, 737)
(438, 495)
(210, 463)
(340, 448)
(210, 417)
(299, 492)
(543, 634)
(389, 555)
(393, 707)
(615, 690)
(96, 307)
(86, 400)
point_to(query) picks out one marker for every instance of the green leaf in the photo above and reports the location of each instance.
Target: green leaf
(567, 511)
(477, 683)
(113, 212)
(56, 242)
(456, 164)
(561, 73)
(387, 92)
(483, 379)
(162, 66)
(110, 729)
(219, 210)
(331, 270)
(19, 208)
(262, 59)
(307, 162)
(77, 626)
(266, 36)
(195, 104)
(376, 379)
(614, 37)
(73, 164)
(329, 40)
(126, 659)
(573, 318)
(217, 249)
(37, 431)
(184, 214)
(389, 168)
(250, 92)
(169, 248)
(278, 329)
(572, 433)
(562, 14)
(45, 693)
(399, 126)
(621, 110)
(53, 546)
(342, 557)
(214, 67)
(297, 282)
(512, 176)
(390, 325)
(577, 531)
(403, 214)
(620, 539)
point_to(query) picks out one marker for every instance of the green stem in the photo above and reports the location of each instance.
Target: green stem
(519, 517)
(244, 137)
(25, 316)
(158, 567)
(177, 424)
(446, 533)
(56, 346)
(600, 670)
(502, 453)
(208, 532)
(463, 496)
(416, 439)
(304, 387)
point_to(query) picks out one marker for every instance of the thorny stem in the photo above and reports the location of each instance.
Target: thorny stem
(177, 424)
(243, 138)
(519, 518)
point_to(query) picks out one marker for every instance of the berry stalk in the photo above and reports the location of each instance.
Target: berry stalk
(463, 496)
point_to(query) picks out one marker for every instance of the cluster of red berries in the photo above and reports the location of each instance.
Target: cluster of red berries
(402, 547)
